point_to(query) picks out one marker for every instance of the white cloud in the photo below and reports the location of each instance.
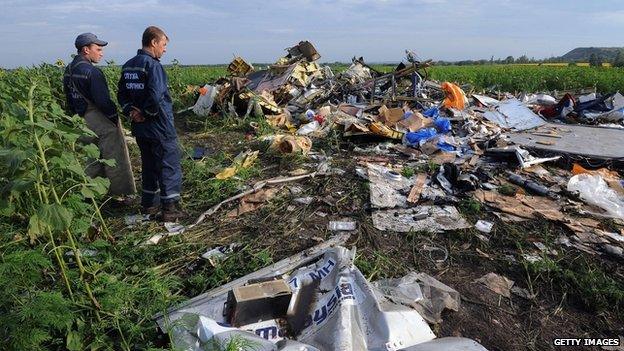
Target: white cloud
(129, 8)
(33, 24)
(608, 17)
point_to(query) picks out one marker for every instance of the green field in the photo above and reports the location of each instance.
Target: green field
(499, 78)
(519, 78)
(504, 78)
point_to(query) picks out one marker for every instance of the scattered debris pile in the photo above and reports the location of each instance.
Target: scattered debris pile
(484, 144)
(528, 156)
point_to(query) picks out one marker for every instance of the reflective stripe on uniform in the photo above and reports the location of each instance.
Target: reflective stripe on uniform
(170, 196)
(83, 76)
(151, 114)
(141, 69)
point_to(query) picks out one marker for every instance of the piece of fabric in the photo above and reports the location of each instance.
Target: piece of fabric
(161, 171)
(112, 144)
(143, 86)
(455, 97)
(84, 83)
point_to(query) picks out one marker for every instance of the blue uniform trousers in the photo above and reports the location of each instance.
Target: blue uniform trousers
(162, 172)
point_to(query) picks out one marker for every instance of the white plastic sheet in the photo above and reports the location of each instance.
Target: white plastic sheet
(357, 73)
(595, 191)
(539, 99)
(387, 188)
(426, 218)
(514, 115)
(309, 128)
(343, 312)
(204, 103)
(422, 292)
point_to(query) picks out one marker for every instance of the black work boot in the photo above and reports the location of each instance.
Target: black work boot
(172, 212)
(123, 202)
(150, 210)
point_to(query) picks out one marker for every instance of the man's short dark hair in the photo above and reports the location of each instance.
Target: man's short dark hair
(152, 33)
(81, 49)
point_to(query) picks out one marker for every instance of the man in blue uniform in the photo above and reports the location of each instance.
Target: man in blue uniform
(144, 97)
(88, 96)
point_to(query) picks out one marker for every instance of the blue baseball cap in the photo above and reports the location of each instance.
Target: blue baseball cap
(85, 39)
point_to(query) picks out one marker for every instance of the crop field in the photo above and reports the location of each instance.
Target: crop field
(525, 78)
(502, 78)
(75, 276)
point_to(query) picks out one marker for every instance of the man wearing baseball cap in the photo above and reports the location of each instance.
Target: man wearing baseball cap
(87, 95)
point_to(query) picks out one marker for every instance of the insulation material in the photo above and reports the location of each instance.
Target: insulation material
(421, 218)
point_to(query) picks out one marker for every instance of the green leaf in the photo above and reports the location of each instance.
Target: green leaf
(91, 151)
(76, 168)
(74, 341)
(46, 141)
(7, 208)
(36, 227)
(20, 185)
(12, 159)
(69, 133)
(69, 162)
(99, 185)
(55, 216)
(109, 162)
(86, 131)
(45, 124)
(87, 193)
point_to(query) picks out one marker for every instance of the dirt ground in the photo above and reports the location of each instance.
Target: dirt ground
(285, 227)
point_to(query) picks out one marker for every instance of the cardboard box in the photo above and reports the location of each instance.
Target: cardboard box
(391, 115)
(258, 302)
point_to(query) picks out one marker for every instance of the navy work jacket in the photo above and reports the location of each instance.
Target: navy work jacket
(84, 82)
(143, 86)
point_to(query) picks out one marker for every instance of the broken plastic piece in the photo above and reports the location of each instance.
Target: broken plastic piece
(387, 191)
(484, 226)
(514, 115)
(308, 128)
(243, 160)
(530, 185)
(418, 138)
(422, 292)
(204, 103)
(239, 67)
(218, 254)
(342, 225)
(498, 284)
(594, 190)
(485, 100)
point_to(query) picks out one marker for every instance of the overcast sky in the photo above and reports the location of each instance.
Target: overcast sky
(208, 32)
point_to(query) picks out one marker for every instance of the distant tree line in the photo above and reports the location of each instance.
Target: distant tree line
(594, 61)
